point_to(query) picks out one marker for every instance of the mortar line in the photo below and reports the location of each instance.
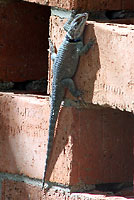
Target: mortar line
(32, 181)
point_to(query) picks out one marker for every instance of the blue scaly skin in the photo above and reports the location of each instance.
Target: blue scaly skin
(64, 67)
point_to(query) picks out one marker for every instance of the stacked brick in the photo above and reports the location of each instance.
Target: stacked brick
(109, 64)
(99, 77)
(23, 41)
(86, 159)
(15, 190)
(93, 144)
(88, 4)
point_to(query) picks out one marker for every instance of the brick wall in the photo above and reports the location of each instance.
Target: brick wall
(83, 153)
(88, 5)
(93, 144)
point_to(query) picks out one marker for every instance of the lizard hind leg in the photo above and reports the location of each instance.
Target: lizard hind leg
(69, 83)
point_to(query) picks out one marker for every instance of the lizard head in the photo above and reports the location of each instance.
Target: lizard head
(77, 26)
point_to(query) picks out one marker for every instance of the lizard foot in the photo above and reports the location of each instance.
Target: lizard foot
(82, 102)
(78, 94)
(91, 43)
(80, 98)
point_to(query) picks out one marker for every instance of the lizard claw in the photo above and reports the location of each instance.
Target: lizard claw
(80, 99)
(78, 94)
(82, 102)
(92, 42)
(73, 13)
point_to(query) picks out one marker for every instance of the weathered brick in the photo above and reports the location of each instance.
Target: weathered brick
(105, 73)
(91, 146)
(23, 134)
(126, 192)
(88, 4)
(23, 41)
(18, 190)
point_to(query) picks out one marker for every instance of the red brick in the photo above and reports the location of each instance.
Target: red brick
(18, 190)
(23, 41)
(88, 4)
(99, 5)
(127, 4)
(23, 134)
(110, 66)
(91, 145)
(127, 192)
(22, 191)
(105, 73)
(56, 30)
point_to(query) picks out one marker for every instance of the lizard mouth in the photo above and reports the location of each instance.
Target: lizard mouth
(80, 18)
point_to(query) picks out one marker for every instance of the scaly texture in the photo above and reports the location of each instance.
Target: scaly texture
(64, 67)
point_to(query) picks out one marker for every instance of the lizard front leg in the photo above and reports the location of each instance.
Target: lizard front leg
(86, 47)
(52, 50)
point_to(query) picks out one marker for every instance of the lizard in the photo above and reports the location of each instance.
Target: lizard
(65, 64)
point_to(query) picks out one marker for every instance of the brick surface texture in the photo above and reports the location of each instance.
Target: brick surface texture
(23, 41)
(105, 73)
(91, 146)
(17, 190)
(22, 191)
(88, 4)
(23, 134)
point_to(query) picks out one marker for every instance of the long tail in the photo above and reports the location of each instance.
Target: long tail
(52, 122)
